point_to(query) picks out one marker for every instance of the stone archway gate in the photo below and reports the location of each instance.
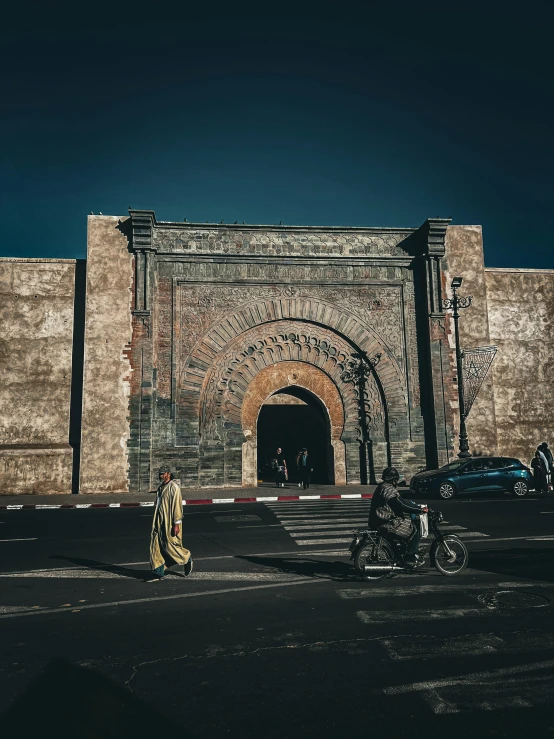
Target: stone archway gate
(225, 315)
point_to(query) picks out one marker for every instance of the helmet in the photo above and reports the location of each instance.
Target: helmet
(390, 474)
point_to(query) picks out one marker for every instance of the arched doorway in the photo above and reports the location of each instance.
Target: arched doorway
(319, 388)
(293, 418)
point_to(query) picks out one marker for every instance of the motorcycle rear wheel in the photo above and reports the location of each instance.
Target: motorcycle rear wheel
(449, 564)
(370, 554)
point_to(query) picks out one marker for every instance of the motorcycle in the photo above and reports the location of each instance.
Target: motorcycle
(376, 556)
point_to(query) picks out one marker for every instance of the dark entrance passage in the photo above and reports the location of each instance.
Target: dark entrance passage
(293, 418)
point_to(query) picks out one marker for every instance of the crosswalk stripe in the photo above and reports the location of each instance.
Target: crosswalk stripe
(306, 521)
(324, 519)
(300, 534)
(315, 521)
(308, 542)
(442, 614)
(308, 527)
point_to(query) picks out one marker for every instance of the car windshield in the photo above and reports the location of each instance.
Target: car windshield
(454, 465)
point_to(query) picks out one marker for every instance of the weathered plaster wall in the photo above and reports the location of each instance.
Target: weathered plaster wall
(521, 319)
(464, 258)
(105, 425)
(36, 314)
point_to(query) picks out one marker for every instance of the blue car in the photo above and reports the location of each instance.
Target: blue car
(475, 475)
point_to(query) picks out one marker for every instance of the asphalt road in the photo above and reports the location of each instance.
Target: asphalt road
(272, 635)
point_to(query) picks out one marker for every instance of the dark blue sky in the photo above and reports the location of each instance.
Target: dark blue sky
(382, 117)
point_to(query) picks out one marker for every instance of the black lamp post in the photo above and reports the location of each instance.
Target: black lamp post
(357, 371)
(454, 304)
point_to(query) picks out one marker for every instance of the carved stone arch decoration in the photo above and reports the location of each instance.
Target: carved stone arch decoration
(225, 385)
(276, 377)
(288, 349)
(306, 311)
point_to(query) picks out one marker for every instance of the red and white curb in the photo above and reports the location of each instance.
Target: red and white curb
(192, 501)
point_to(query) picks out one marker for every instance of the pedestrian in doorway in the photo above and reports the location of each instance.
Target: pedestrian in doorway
(304, 468)
(547, 454)
(540, 472)
(281, 473)
(166, 542)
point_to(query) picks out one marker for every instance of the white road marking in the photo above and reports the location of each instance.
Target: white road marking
(541, 538)
(309, 542)
(467, 645)
(515, 538)
(108, 574)
(288, 555)
(546, 512)
(320, 526)
(298, 534)
(476, 678)
(381, 592)
(472, 535)
(159, 598)
(32, 539)
(323, 512)
(296, 510)
(384, 617)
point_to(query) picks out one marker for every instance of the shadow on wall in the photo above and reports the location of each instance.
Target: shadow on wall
(68, 701)
(480, 453)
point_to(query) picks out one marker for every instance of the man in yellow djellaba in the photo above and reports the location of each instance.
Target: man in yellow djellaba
(166, 542)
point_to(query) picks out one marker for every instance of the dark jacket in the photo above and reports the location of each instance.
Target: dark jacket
(389, 511)
(548, 454)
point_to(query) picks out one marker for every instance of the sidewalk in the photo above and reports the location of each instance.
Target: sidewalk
(191, 496)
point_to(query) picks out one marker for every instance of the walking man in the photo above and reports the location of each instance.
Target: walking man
(280, 468)
(304, 469)
(166, 543)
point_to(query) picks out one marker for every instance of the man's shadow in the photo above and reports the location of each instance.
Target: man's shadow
(336, 570)
(69, 702)
(93, 564)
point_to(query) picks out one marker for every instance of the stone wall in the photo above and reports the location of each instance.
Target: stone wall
(105, 424)
(464, 258)
(521, 319)
(37, 316)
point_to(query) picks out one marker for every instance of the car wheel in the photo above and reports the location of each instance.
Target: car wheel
(520, 488)
(447, 491)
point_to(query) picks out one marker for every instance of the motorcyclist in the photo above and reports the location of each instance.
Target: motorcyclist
(391, 515)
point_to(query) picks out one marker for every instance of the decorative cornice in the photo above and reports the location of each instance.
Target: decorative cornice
(436, 233)
(143, 222)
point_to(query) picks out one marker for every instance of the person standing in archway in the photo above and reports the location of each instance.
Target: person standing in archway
(303, 463)
(280, 468)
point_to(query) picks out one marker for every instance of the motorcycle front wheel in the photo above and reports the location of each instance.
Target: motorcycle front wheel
(449, 555)
(370, 554)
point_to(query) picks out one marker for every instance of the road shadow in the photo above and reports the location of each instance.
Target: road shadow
(530, 563)
(305, 567)
(69, 701)
(93, 564)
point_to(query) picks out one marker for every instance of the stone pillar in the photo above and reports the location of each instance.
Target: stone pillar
(107, 370)
(142, 354)
(434, 348)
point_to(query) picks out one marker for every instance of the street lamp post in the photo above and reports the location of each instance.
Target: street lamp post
(357, 371)
(454, 304)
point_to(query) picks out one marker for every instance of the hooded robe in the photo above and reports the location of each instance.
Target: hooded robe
(166, 549)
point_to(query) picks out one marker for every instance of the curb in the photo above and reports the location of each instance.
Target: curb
(193, 501)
